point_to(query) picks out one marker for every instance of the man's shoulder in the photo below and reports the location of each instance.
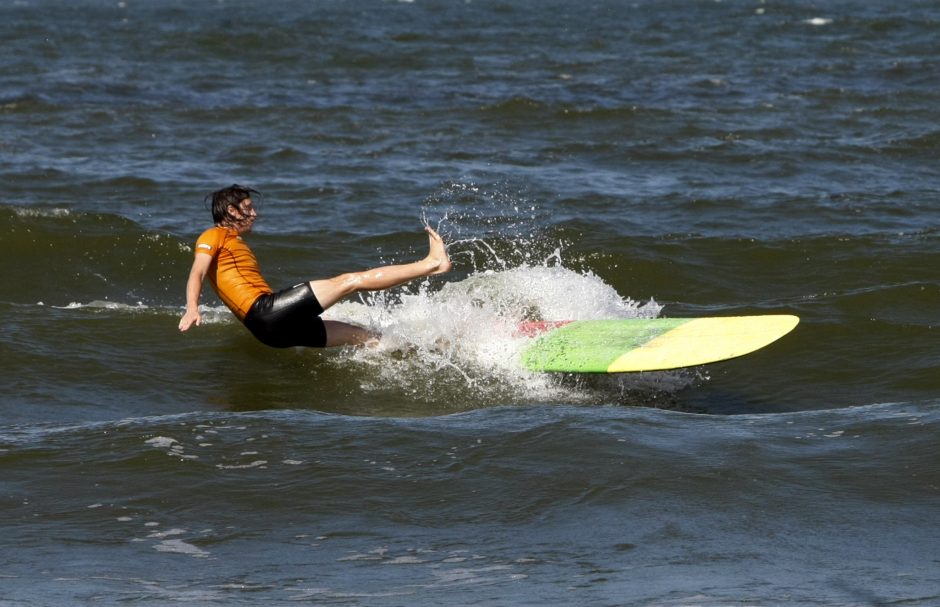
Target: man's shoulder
(210, 240)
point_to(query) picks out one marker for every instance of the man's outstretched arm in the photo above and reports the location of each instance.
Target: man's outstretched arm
(197, 275)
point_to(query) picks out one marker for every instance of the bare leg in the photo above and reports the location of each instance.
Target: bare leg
(344, 334)
(331, 290)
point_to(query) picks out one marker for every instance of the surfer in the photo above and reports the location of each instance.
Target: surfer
(290, 317)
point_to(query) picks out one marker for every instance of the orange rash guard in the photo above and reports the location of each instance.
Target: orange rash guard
(234, 272)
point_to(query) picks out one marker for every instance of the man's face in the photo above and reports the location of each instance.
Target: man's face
(244, 215)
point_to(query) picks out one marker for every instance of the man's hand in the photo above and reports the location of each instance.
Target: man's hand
(192, 317)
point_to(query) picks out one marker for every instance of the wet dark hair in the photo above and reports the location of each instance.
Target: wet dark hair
(232, 195)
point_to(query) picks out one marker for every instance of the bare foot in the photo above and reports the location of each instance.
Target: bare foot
(437, 255)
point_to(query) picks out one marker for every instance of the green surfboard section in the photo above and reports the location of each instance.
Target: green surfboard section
(590, 346)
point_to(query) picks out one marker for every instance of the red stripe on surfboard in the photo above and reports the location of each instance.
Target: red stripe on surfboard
(532, 328)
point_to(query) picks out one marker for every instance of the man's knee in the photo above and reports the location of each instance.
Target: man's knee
(331, 290)
(347, 283)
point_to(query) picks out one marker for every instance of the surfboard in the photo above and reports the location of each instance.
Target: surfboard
(647, 344)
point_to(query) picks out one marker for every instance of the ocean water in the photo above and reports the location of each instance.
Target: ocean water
(583, 160)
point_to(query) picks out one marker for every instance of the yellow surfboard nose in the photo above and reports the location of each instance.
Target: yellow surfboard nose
(705, 340)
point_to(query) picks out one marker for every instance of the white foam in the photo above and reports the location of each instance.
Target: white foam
(211, 315)
(464, 334)
(176, 546)
(40, 212)
(259, 463)
(161, 442)
(104, 305)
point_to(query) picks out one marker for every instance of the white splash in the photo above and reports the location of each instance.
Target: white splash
(463, 337)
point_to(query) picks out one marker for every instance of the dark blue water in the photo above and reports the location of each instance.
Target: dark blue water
(583, 160)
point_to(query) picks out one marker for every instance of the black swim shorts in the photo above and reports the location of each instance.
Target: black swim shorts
(288, 318)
